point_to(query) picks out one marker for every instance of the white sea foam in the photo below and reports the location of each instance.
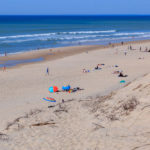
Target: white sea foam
(74, 36)
(27, 35)
(55, 33)
(89, 32)
(17, 41)
(132, 33)
(144, 36)
(52, 38)
(105, 39)
(81, 37)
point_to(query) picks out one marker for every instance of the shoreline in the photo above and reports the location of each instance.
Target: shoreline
(50, 54)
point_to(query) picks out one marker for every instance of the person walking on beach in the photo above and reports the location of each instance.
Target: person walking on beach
(130, 47)
(140, 48)
(47, 71)
(4, 68)
(146, 49)
(125, 53)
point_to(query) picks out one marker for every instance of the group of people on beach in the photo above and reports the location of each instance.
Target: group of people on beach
(99, 67)
(140, 49)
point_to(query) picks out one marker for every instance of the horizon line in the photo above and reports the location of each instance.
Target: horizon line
(74, 14)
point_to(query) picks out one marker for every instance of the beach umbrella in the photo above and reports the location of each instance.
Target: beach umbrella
(53, 89)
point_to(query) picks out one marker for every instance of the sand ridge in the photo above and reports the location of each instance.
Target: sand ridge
(115, 121)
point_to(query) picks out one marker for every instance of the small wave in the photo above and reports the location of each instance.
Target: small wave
(53, 38)
(82, 37)
(29, 35)
(17, 41)
(55, 33)
(72, 37)
(103, 39)
(144, 36)
(89, 32)
(132, 33)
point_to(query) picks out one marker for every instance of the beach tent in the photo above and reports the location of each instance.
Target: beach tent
(66, 88)
(53, 89)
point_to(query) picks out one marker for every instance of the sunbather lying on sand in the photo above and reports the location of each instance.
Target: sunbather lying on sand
(75, 89)
(141, 58)
(116, 72)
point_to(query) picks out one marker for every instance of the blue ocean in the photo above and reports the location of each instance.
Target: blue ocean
(24, 33)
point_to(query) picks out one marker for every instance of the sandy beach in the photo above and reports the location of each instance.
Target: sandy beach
(105, 115)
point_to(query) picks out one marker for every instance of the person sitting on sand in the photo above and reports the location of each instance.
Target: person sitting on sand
(121, 75)
(97, 67)
(141, 58)
(85, 71)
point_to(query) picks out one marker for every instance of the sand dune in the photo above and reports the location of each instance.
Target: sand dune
(119, 120)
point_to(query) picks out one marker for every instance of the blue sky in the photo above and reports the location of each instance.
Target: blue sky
(54, 7)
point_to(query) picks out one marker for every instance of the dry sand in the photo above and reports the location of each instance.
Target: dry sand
(87, 120)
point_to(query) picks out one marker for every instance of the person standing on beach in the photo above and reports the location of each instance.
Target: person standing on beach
(140, 48)
(5, 54)
(130, 47)
(47, 71)
(4, 68)
(125, 53)
(146, 49)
